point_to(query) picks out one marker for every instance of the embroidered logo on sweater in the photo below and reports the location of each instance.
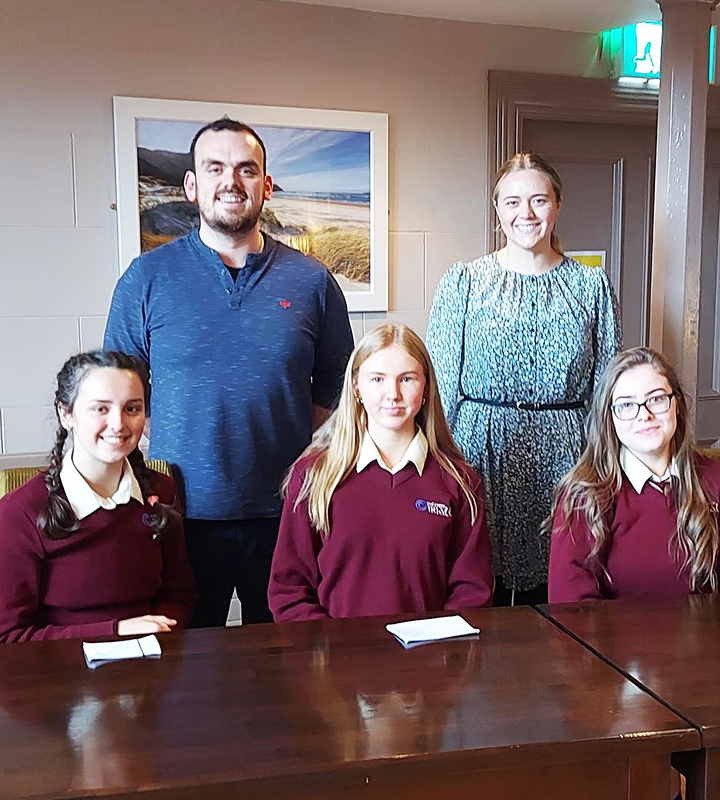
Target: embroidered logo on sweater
(440, 509)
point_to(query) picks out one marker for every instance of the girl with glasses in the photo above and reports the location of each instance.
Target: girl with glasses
(638, 514)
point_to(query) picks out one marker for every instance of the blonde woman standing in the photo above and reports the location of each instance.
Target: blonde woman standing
(638, 515)
(519, 339)
(381, 513)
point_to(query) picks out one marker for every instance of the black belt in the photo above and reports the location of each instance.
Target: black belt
(524, 406)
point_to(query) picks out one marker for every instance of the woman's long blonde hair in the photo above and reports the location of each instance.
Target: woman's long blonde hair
(524, 161)
(337, 443)
(591, 487)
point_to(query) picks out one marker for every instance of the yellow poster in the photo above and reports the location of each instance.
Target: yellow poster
(590, 258)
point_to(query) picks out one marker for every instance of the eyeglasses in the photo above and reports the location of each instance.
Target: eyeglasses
(628, 409)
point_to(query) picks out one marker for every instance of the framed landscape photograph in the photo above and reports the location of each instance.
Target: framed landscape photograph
(329, 171)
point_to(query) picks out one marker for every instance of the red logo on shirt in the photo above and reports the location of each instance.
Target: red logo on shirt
(285, 304)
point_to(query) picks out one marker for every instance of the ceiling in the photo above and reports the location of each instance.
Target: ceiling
(591, 16)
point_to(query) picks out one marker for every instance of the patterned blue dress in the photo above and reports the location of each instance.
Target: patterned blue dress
(502, 335)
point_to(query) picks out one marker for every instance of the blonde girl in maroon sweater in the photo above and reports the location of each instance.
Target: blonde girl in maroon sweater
(638, 515)
(382, 515)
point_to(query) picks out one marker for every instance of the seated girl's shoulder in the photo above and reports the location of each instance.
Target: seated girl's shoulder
(165, 487)
(305, 462)
(467, 473)
(300, 468)
(32, 493)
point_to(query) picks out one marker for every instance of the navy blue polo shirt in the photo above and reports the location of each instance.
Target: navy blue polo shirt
(236, 365)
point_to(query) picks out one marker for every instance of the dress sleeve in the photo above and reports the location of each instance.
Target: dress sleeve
(608, 334)
(445, 334)
(333, 348)
(569, 579)
(21, 566)
(295, 574)
(470, 578)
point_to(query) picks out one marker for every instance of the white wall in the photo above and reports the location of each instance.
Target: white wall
(62, 62)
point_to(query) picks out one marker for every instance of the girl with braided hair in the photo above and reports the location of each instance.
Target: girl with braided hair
(94, 545)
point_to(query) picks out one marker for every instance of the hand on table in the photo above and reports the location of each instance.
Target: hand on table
(150, 623)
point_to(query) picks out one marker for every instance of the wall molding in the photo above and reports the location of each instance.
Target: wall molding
(617, 227)
(715, 377)
(648, 222)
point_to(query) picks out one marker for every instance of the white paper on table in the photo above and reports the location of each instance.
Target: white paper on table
(431, 630)
(146, 646)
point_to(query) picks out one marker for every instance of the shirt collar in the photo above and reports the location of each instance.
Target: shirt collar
(84, 499)
(416, 453)
(252, 261)
(638, 474)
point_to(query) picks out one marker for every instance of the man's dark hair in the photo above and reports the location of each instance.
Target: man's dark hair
(227, 124)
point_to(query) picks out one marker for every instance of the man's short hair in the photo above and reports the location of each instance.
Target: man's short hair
(227, 124)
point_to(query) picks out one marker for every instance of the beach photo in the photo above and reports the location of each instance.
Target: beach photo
(324, 199)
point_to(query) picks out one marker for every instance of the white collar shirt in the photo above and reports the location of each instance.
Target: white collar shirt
(416, 453)
(84, 499)
(638, 474)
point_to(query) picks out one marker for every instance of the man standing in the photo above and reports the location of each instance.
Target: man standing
(247, 341)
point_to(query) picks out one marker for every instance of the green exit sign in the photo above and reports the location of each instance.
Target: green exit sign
(635, 50)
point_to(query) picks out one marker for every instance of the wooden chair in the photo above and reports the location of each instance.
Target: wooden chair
(11, 479)
(710, 452)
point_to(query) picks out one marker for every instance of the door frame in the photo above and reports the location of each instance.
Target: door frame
(514, 97)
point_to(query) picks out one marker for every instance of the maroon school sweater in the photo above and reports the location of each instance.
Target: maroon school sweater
(398, 543)
(109, 569)
(640, 560)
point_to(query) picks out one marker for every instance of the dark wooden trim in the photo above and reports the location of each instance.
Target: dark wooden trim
(648, 220)
(715, 378)
(617, 261)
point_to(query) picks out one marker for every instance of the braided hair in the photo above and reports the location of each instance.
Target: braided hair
(57, 520)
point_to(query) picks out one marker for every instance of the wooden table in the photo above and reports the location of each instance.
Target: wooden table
(670, 648)
(335, 709)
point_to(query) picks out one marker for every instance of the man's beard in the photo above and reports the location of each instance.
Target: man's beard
(233, 224)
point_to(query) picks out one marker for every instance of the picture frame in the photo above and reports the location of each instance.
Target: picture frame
(330, 176)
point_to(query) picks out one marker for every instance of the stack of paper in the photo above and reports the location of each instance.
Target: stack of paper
(101, 652)
(417, 631)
